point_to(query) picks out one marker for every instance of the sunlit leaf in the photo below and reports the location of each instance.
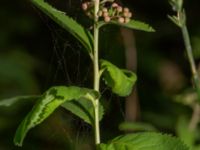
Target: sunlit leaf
(133, 24)
(119, 80)
(67, 23)
(83, 109)
(46, 105)
(144, 141)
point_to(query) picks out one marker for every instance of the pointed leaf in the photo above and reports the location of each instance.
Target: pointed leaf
(144, 141)
(67, 23)
(133, 24)
(120, 81)
(46, 105)
(10, 101)
(84, 109)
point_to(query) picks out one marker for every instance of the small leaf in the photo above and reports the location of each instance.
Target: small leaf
(121, 81)
(46, 105)
(10, 101)
(144, 141)
(133, 24)
(136, 126)
(83, 109)
(67, 23)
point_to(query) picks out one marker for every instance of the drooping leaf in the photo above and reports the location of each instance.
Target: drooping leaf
(83, 109)
(133, 24)
(119, 80)
(144, 141)
(83, 35)
(46, 105)
(10, 101)
(136, 126)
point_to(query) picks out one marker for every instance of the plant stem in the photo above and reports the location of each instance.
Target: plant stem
(196, 110)
(96, 70)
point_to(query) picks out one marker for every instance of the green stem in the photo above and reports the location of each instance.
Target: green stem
(96, 71)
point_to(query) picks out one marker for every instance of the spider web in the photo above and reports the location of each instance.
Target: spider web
(64, 51)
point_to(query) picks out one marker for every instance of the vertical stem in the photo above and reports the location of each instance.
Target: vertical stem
(188, 49)
(96, 70)
(196, 110)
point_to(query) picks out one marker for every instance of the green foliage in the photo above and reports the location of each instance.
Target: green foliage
(136, 126)
(144, 141)
(46, 105)
(133, 24)
(67, 23)
(184, 132)
(83, 109)
(119, 80)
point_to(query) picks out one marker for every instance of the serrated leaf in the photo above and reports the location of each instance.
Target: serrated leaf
(83, 35)
(84, 110)
(119, 80)
(10, 101)
(136, 126)
(46, 105)
(133, 24)
(144, 141)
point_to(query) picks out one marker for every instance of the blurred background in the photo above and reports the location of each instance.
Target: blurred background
(35, 53)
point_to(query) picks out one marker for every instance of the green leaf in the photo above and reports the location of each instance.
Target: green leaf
(184, 132)
(133, 24)
(144, 141)
(136, 126)
(83, 109)
(83, 35)
(46, 105)
(119, 80)
(10, 101)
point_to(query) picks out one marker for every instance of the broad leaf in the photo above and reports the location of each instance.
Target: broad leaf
(136, 126)
(133, 24)
(83, 109)
(10, 101)
(67, 23)
(144, 141)
(119, 80)
(46, 105)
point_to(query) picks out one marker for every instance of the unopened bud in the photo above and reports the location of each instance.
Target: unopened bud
(127, 20)
(107, 19)
(121, 20)
(105, 10)
(126, 14)
(84, 6)
(114, 5)
(126, 9)
(105, 14)
(129, 14)
(100, 13)
(119, 9)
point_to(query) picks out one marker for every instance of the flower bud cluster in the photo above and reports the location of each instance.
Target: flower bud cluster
(114, 12)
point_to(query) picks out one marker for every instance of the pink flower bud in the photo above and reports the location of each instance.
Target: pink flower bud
(121, 20)
(129, 14)
(114, 5)
(107, 19)
(126, 14)
(84, 6)
(119, 9)
(105, 14)
(126, 9)
(105, 10)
